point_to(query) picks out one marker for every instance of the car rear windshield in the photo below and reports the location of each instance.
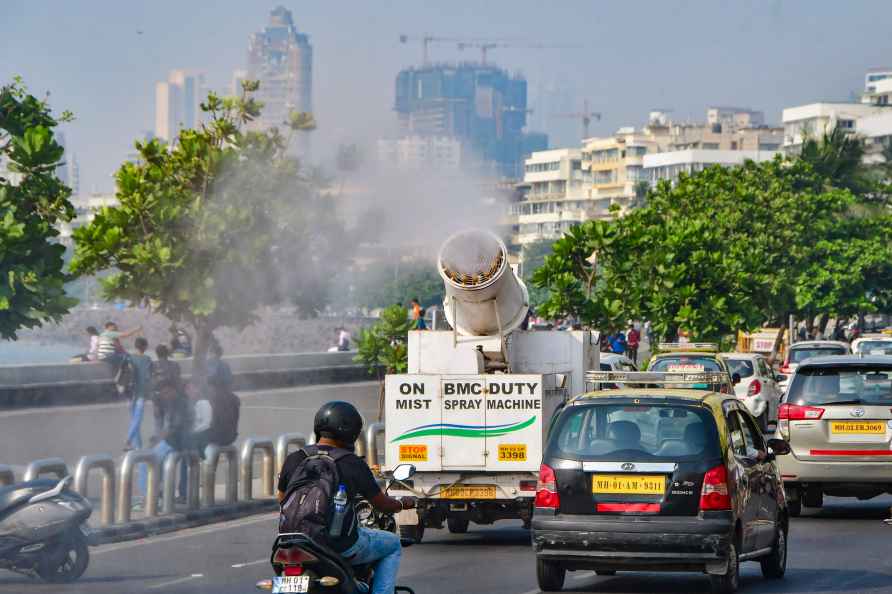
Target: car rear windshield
(685, 364)
(635, 432)
(868, 384)
(875, 347)
(742, 366)
(800, 355)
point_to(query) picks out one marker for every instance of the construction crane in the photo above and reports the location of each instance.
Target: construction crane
(585, 116)
(485, 45)
(428, 39)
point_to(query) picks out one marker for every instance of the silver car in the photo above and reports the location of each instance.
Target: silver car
(837, 418)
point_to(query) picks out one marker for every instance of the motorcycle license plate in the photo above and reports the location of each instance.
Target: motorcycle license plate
(291, 584)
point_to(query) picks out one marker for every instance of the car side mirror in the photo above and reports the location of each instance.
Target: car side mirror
(778, 447)
(403, 472)
(735, 378)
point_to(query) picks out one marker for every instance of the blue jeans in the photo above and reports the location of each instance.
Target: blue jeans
(381, 548)
(161, 450)
(134, 437)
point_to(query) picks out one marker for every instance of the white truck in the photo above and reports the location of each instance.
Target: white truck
(473, 411)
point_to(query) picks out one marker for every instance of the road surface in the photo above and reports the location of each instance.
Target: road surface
(844, 548)
(70, 432)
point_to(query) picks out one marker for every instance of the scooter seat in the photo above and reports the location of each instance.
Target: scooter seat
(14, 495)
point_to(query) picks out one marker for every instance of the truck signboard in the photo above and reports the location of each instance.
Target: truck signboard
(466, 422)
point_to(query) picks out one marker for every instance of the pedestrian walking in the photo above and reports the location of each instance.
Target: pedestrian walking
(218, 369)
(163, 371)
(142, 390)
(634, 340)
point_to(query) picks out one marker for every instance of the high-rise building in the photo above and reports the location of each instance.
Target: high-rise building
(479, 104)
(177, 102)
(281, 59)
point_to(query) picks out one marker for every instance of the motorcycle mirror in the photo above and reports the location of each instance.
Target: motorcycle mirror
(403, 472)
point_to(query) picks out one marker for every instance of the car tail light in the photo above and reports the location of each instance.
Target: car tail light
(754, 388)
(796, 412)
(293, 556)
(785, 368)
(546, 489)
(294, 570)
(715, 496)
(528, 486)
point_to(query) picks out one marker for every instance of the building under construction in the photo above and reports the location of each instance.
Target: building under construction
(481, 105)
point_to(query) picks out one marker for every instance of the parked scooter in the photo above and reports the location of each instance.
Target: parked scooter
(303, 566)
(43, 530)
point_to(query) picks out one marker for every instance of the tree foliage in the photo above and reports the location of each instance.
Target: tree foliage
(382, 347)
(33, 202)
(211, 228)
(723, 250)
(386, 283)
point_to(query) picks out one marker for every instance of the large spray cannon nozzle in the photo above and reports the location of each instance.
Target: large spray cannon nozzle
(483, 295)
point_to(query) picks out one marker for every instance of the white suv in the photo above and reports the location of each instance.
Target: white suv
(758, 387)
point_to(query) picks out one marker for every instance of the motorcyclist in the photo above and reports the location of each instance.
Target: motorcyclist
(337, 425)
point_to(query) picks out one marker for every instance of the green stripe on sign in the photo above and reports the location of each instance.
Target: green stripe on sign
(454, 432)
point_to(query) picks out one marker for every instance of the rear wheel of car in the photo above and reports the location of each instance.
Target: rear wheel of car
(814, 497)
(728, 583)
(550, 575)
(794, 501)
(775, 565)
(457, 525)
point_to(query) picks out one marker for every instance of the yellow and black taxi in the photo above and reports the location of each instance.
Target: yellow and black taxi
(693, 357)
(666, 479)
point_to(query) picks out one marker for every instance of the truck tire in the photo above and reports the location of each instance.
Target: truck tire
(414, 533)
(457, 525)
(550, 575)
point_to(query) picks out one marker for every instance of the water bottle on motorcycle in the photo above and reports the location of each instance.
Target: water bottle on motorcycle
(340, 510)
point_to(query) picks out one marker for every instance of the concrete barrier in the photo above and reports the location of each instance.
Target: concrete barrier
(79, 383)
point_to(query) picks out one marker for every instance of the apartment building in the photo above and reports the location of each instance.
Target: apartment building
(669, 165)
(555, 195)
(815, 119)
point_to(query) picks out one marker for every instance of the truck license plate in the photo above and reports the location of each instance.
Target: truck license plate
(291, 584)
(469, 492)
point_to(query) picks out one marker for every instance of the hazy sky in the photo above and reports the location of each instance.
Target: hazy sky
(631, 57)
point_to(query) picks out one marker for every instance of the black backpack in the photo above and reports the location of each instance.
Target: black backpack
(308, 505)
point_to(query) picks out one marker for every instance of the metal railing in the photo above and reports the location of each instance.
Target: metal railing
(282, 443)
(116, 486)
(371, 442)
(246, 466)
(105, 464)
(38, 468)
(171, 470)
(212, 454)
(125, 487)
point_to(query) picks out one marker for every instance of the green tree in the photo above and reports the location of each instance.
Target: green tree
(33, 202)
(211, 228)
(838, 157)
(382, 347)
(723, 250)
(532, 257)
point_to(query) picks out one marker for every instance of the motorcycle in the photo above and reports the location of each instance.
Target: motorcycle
(43, 530)
(303, 566)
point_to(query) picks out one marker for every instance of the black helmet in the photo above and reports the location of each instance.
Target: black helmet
(338, 420)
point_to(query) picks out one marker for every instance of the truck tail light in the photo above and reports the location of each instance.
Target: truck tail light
(715, 496)
(754, 388)
(796, 412)
(546, 489)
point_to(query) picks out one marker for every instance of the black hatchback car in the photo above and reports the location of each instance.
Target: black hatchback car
(659, 480)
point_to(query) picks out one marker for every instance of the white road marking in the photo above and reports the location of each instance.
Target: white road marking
(194, 576)
(249, 563)
(110, 548)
